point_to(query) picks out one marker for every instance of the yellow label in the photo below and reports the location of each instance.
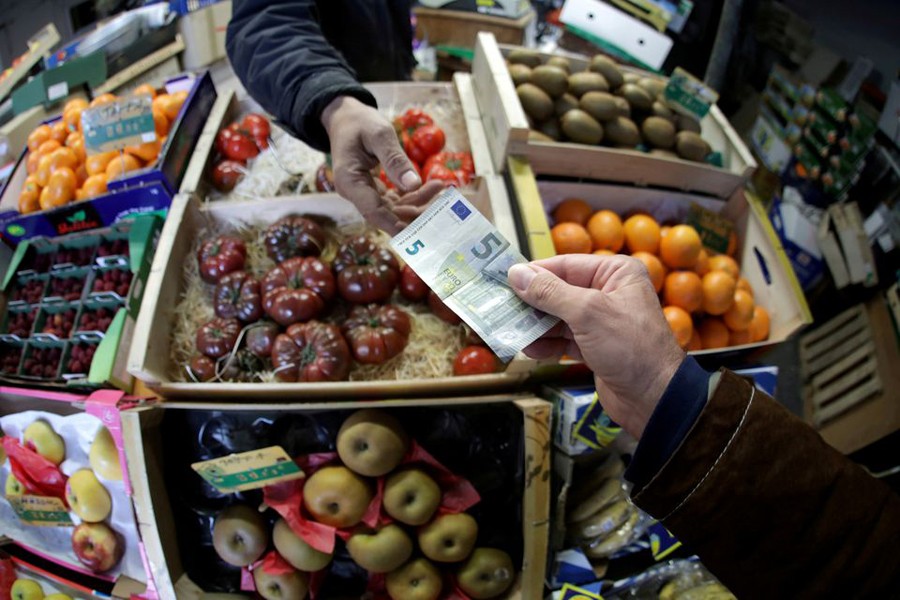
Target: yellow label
(570, 592)
(248, 470)
(41, 511)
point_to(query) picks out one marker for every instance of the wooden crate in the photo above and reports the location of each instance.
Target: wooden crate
(759, 253)
(149, 359)
(507, 129)
(849, 369)
(155, 513)
(461, 28)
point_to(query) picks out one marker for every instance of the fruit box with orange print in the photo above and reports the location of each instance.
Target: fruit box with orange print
(30, 206)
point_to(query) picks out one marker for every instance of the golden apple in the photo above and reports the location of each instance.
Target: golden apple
(411, 496)
(382, 550)
(14, 487)
(296, 551)
(416, 580)
(104, 456)
(87, 497)
(58, 596)
(286, 586)
(26, 589)
(337, 496)
(240, 535)
(488, 573)
(41, 438)
(372, 442)
(449, 538)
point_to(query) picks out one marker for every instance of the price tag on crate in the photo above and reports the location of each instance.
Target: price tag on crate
(248, 470)
(113, 126)
(715, 230)
(571, 592)
(688, 95)
(41, 511)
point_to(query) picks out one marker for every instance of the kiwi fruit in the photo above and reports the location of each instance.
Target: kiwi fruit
(537, 136)
(600, 105)
(535, 101)
(622, 106)
(609, 69)
(551, 129)
(587, 81)
(552, 80)
(659, 132)
(560, 61)
(686, 123)
(691, 146)
(654, 86)
(663, 152)
(520, 73)
(637, 96)
(581, 127)
(523, 56)
(661, 110)
(631, 77)
(621, 131)
(564, 104)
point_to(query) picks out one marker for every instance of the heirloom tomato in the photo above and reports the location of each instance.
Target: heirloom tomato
(297, 290)
(376, 333)
(311, 351)
(220, 256)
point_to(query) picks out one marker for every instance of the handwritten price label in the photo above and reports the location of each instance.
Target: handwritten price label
(41, 511)
(248, 470)
(113, 126)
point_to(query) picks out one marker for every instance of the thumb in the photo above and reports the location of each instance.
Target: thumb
(545, 291)
(397, 165)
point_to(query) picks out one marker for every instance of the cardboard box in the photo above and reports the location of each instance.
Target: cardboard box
(760, 255)
(460, 29)
(507, 130)
(146, 190)
(580, 426)
(797, 233)
(52, 85)
(204, 33)
(145, 429)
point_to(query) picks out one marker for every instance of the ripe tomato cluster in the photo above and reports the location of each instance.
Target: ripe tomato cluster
(423, 142)
(236, 144)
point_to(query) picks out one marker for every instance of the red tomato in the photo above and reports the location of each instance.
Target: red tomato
(440, 309)
(240, 146)
(311, 351)
(412, 119)
(474, 360)
(460, 164)
(258, 127)
(411, 285)
(220, 256)
(376, 333)
(366, 272)
(203, 368)
(226, 174)
(423, 142)
(297, 290)
(223, 136)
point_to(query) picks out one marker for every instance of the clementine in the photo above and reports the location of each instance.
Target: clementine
(759, 324)
(160, 122)
(722, 262)
(604, 253)
(607, 233)
(94, 186)
(572, 210)
(97, 163)
(702, 266)
(713, 333)
(739, 338)
(120, 165)
(570, 238)
(41, 134)
(655, 268)
(680, 248)
(695, 343)
(144, 88)
(718, 292)
(740, 315)
(641, 234)
(147, 152)
(683, 289)
(680, 323)
(102, 99)
(743, 284)
(59, 131)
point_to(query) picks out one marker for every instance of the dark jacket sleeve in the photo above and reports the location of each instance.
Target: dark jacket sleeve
(771, 509)
(278, 51)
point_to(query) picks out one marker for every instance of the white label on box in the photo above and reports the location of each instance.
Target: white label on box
(58, 90)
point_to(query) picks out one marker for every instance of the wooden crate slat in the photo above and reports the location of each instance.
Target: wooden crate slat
(844, 383)
(837, 336)
(832, 324)
(849, 400)
(850, 361)
(815, 365)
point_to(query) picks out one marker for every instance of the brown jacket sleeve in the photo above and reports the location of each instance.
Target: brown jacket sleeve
(771, 509)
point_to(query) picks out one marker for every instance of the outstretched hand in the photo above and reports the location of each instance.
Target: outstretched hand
(611, 320)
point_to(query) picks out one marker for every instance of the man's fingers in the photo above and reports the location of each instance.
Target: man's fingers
(545, 291)
(398, 167)
(385, 220)
(423, 195)
(545, 348)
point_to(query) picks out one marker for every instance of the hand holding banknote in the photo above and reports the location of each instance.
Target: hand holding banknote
(610, 320)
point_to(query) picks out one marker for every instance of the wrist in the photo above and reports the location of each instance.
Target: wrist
(338, 105)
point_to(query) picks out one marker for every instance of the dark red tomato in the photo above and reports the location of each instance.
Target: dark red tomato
(257, 126)
(311, 351)
(474, 360)
(202, 368)
(237, 297)
(240, 146)
(217, 338)
(376, 333)
(293, 236)
(260, 337)
(413, 118)
(440, 309)
(245, 366)
(366, 272)
(411, 285)
(297, 290)
(220, 256)
(226, 174)
(423, 142)
(460, 164)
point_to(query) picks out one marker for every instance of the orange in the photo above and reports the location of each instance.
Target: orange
(759, 324)
(641, 234)
(42, 174)
(75, 141)
(81, 175)
(120, 165)
(740, 315)
(31, 164)
(680, 323)
(604, 253)
(97, 163)
(60, 189)
(41, 134)
(173, 107)
(102, 99)
(59, 131)
(702, 266)
(28, 197)
(739, 338)
(713, 333)
(684, 290)
(48, 147)
(75, 103)
(570, 238)
(606, 230)
(144, 88)
(664, 231)
(95, 185)
(160, 122)
(146, 152)
(72, 118)
(695, 343)
(743, 284)
(655, 268)
(718, 292)
(63, 157)
(572, 210)
(80, 195)
(721, 262)
(732, 244)
(680, 248)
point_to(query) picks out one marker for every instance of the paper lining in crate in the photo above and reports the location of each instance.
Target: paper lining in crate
(453, 106)
(508, 134)
(165, 315)
(760, 256)
(164, 512)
